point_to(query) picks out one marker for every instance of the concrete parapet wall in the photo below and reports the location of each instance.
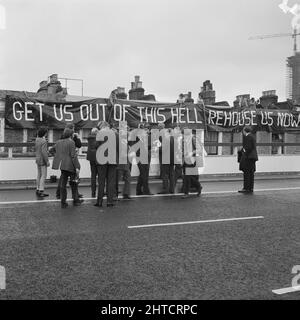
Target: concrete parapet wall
(25, 168)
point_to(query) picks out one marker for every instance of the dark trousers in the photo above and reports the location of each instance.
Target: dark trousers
(249, 180)
(123, 172)
(58, 194)
(65, 175)
(142, 186)
(178, 172)
(106, 175)
(94, 173)
(58, 187)
(168, 177)
(189, 181)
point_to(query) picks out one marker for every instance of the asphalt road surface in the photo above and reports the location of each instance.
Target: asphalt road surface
(223, 245)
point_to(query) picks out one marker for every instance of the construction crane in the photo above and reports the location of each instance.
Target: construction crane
(280, 35)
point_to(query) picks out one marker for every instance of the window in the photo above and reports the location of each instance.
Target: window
(276, 138)
(211, 136)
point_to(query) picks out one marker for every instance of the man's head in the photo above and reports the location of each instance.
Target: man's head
(42, 132)
(103, 125)
(94, 131)
(70, 126)
(247, 130)
(68, 133)
(161, 126)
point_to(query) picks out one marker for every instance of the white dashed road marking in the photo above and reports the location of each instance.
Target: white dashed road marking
(286, 290)
(193, 222)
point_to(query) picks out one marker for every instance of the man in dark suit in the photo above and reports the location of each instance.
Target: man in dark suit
(142, 187)
(167, 169)
(248, 160)
(66, 160)
(91, 157)
(190, 169)
(106, 170)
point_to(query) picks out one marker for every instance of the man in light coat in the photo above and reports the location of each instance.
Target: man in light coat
(42, 162)
(66, 160)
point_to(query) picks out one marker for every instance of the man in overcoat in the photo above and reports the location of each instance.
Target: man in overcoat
(248, 160)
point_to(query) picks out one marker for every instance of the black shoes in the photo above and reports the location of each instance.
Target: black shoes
(246, 191)
(127, 197)
(98, 204)
(140, 193)
(41, 195)
(78, 202)
(64, 205)
(110, 205)
(199, 191)
(162, 192)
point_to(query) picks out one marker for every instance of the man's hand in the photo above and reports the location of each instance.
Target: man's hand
(77, 171)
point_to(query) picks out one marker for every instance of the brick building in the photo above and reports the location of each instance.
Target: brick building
(53, 89)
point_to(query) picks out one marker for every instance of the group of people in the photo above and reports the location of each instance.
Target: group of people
(106, 175)
(65, 159)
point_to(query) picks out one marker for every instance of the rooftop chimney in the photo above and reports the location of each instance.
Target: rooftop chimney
(268, 98)
(120, 93)
(137, 92)
(207, 94)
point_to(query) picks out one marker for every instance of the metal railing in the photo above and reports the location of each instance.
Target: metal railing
(10, 146)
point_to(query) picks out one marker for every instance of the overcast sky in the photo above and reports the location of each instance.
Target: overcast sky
(174, 45)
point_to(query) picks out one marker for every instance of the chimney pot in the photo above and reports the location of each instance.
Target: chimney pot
(269, 93)
(139, 84)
